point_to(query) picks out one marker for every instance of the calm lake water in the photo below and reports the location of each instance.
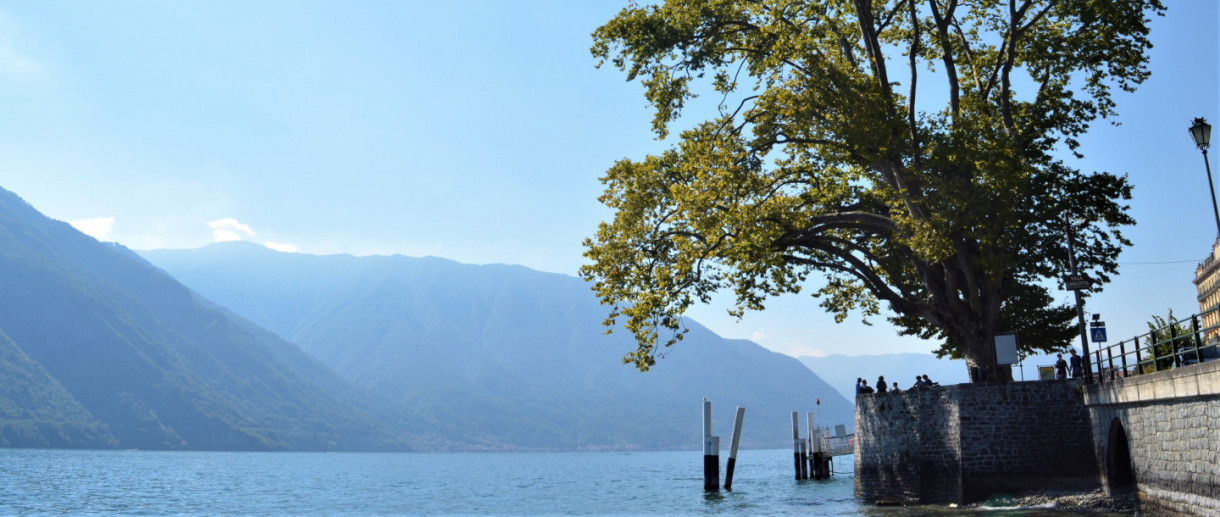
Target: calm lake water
(221, 483)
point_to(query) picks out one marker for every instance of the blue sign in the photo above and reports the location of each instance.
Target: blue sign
(1098, 333)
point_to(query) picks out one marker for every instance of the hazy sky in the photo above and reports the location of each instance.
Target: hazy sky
(475, 131)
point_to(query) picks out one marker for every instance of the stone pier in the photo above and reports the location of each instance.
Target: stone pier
(964, 443)
(1157, 435)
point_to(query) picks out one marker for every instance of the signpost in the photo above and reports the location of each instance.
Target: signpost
(1099, 334)
(1097, 330)
(1077, 282)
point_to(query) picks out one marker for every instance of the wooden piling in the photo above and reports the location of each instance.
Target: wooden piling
(711, 463)
(711, 451)
(804, 461)
(734, 441)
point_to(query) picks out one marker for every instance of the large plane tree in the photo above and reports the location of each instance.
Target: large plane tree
(911, 153)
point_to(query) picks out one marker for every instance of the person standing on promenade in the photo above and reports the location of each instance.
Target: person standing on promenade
(1061, 368)
(859, 385)
(881, 385)
(1074, 365)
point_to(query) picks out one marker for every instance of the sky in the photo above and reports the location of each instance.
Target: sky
(471, 130)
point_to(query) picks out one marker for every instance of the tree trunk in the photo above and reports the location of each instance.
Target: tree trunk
(978, 348)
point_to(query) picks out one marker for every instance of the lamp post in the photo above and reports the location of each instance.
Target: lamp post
(1201, 131)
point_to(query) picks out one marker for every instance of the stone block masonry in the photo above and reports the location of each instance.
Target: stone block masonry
(1166, 427)
(964, 443)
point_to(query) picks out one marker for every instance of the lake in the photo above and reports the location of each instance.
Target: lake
(280, 483)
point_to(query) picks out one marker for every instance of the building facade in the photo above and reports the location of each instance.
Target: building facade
(1207, 282)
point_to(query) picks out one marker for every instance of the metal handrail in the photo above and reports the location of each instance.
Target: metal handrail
(1178, 343)
(838, 445)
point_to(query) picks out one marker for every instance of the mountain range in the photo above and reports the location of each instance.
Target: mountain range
(518, 354)
(99, 348)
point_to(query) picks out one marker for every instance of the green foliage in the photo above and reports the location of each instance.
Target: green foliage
(817, 161)
(1165, 337)
(1042, 327)
(36, 411)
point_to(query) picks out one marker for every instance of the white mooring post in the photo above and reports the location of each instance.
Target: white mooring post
(796, 442)
(812, 445)
(728, 470)
(711, 451)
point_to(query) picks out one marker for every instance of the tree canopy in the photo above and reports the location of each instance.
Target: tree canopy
(818, 160)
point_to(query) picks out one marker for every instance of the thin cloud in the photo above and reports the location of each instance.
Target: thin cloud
(229, 229)
(96, 227)
(230, 223)
(280, 246)
(790, 347)
(796, 348)
(225, 236)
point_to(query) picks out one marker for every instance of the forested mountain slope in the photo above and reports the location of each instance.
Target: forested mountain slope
(516, 355)
(100, 349)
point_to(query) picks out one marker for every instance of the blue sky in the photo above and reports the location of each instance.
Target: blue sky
(475, 131)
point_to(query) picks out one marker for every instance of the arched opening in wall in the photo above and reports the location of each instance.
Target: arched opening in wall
(1120, 477)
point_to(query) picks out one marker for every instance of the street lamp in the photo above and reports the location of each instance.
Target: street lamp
(1202, 133)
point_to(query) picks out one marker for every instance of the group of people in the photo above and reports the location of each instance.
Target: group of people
(863, 387)
(1073, 365)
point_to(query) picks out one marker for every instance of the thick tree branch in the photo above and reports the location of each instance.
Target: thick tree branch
(942, 29)
(868, 32)
(853, 265)
(913, 54)
(876, 223)
(1013, 34)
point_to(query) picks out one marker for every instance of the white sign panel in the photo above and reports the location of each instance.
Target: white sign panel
(1006, 349)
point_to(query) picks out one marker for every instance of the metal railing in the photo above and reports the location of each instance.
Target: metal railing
(1178, 343)
(838, 445)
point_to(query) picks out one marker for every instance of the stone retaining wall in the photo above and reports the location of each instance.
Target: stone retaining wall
(964, 443)
(1171, 423)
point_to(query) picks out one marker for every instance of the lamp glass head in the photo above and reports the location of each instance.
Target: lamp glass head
(1201, 131)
